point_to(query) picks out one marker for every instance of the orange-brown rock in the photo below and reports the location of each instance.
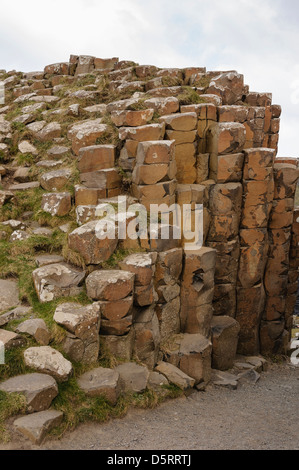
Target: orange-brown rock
(142, 265)
(155, 152)
(191, 353)
(154, 192)
(224, 227)
(117, 309)
(274, 308)
(258, 164)
(180, 122)
(232, 114)
(202, 167)
(92, 243)
(197, 288)
(229, 168)
(225, 301)
(227, 261)
(143, 133)
(104, 64)
(110, 285)
(163, 106)
(151, 174)
(101, 179)
(96, 157)
(88, 196)
(226, 198)
(271, 335)
(56, 204)
(286, 177)
(181, 137)
(253, 257)
(205, 112)
(226, 138)
(86, 133)
(132, 118)
(258, 192)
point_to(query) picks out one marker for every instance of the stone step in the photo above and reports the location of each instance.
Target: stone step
(39, 390)
(36, 426)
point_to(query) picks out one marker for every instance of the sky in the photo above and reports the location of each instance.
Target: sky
(257, 38)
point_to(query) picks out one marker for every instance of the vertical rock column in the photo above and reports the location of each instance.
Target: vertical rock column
(225, 141)
(273, 335)
(182, 129)
(145, 320)
(154, 176)
(167, 285)
(293, 273)
(258, 193)
(225, 208)
(207, 117)
(197, 291)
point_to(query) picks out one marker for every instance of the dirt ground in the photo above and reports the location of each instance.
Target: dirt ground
(263, 416)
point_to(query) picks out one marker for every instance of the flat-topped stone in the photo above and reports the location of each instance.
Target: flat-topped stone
(133, 378)
(101, 382)
(39, 390)
(110, 285)
(48, 361)
(45, 260)
(37, 425)
(24, 186)
(57, 280)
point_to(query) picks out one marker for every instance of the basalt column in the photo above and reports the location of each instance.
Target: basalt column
(258, 193)
(274, 337)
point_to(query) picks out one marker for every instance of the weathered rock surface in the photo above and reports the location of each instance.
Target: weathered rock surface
(49, 361)
(133, 378)
(9, 294)
(175, 376)
(11, 340)
(191, 354)
(39, 390)
(36, 328)
(110, 285)
(37, 425)
(83, 322)
(94, 244)
(57, 280)
(225, 336)
(101, 382)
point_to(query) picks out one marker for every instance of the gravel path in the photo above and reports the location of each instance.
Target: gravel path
(262, 416)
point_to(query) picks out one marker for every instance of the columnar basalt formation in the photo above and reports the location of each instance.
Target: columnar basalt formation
(79, 135)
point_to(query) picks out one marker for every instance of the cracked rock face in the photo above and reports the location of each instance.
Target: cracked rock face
(39, 390)
(83, 324)
(49, 361)
(92, 244)
(57, 280)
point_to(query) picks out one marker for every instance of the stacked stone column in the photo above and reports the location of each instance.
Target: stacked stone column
(278, 276)
(197, 291)
(167, 285)
(293, 273)
(258, 190)
(225, 208)
(153, 179)
(182, 128)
